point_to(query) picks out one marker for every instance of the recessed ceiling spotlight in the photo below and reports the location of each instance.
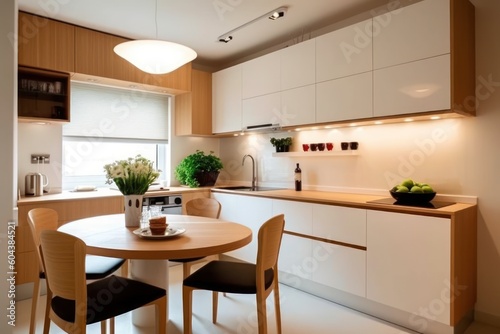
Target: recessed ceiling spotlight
(276, 15)
(435, 117)
(226, 39)
(378, 122)
(408, 119)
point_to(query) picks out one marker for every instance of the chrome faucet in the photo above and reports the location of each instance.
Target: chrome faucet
(254, 171)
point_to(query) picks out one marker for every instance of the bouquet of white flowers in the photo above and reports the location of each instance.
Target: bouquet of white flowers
(132, 176)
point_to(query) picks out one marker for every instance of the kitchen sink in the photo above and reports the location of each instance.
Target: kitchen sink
(247, 188)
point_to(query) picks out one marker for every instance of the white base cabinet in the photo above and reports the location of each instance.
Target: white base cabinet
(408, 263)
(339, 267)
(412, 269)
(249, 211)
(311, 253)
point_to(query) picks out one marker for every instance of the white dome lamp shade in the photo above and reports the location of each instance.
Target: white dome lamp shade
(155, 56)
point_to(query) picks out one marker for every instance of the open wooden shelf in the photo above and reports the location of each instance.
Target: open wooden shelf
(316, 153)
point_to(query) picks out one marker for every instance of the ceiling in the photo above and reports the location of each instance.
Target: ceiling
(199, 23)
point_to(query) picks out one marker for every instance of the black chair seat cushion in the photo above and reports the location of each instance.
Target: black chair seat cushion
(188, 260)
(97, 267)
(108, 298)
(225, 276)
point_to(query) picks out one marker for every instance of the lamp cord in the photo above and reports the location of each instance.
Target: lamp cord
(156, 18)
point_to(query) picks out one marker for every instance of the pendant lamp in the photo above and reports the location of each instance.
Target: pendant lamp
(153, 55)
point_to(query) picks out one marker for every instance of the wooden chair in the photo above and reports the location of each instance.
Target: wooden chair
(203, 207)
(238, 277)
(74, 304)
(97, 267)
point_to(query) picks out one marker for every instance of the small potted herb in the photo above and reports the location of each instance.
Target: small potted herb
(282, 144)
(198, 169)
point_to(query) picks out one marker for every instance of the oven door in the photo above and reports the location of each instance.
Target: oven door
(171, 209)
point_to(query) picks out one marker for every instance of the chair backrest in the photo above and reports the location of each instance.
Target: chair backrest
(269, 242)
(64, 262)
(203, 207)
(38, 220)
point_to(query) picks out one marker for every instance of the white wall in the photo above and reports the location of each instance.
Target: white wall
(456, 156)
(8, 147)
(40, 139)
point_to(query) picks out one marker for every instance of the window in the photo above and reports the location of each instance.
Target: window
(109, 124)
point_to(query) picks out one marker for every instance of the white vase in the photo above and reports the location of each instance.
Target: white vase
(133, 210)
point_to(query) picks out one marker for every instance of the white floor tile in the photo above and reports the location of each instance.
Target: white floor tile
(301, 313)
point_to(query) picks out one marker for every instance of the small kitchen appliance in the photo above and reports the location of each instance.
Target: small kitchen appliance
(35, 183)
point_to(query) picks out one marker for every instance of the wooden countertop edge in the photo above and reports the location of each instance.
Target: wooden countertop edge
(100, 193)
(350, 200)
(311, 196)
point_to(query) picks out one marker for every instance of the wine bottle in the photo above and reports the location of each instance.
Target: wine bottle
(298, 178)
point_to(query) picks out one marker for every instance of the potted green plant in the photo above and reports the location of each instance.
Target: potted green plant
(198, 169)
(282, 144)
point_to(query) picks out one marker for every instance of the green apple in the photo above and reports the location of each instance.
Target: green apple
(427, 189)
(408, 183)
(402, 189)
(416, 189)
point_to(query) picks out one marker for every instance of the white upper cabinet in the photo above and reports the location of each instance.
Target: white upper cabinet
(344, 52)
(226, 100)
(261, 76)
(297, 106)
(260, 110)
(344, 98)
(413, 87)
(298, 65)
(413, 59)
(414, 32)
(291, 107)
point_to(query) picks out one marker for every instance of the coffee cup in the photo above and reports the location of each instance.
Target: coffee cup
(344, 145)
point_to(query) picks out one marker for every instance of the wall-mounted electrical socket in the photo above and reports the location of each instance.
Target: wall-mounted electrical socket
(40, 158)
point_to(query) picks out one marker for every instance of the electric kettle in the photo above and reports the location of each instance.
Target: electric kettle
(34, 184)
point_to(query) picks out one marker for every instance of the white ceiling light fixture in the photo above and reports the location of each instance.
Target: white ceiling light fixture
(272, 15)
(153, 55)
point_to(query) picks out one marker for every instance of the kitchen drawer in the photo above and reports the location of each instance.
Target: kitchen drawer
(340, 224)
(339, 267)
(298, 215)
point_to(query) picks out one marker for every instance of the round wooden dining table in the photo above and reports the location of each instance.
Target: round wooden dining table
(108, 236)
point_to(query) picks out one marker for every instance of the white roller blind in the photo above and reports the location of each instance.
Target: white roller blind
(99, 111)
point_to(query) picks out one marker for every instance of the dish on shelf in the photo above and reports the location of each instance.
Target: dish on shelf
(170, 232)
